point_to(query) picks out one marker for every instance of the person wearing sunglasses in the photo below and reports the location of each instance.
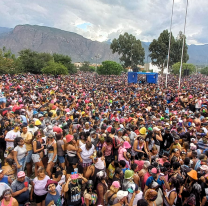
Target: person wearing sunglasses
(37, 151)
(90, 197)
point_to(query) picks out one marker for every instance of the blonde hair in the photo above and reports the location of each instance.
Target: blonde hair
(41, 169)
(154, 148)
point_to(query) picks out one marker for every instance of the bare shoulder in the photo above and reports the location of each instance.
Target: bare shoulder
(14, 202)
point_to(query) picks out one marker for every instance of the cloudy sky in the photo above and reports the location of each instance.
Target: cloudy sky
(106, 19)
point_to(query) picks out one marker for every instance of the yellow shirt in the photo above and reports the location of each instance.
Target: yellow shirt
(54, 113)
(27, 136)
(111, 170)
(176, 146)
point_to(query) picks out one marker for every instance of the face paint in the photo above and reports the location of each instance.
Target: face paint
(7, 195)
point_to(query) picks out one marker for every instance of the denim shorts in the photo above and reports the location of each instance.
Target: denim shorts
(29, 156)
(36, 158)
(50, 156)
(22, 163)
(2, 100)
(61, 159)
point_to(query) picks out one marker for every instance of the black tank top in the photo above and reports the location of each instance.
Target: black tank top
(38, 146)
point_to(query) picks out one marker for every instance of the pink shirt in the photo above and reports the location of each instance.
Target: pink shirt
(146, 176)
(121, 153)
(140, 164)
(161, 162)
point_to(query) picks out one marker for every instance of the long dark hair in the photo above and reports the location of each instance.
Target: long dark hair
(176, 183)
(17, 140)
(149, 135)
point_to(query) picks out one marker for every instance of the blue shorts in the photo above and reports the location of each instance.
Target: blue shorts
(61, 159)
(22, 163)
(29, 156)
(2, 100)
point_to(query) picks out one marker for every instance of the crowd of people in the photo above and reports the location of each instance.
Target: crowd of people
(90, 140)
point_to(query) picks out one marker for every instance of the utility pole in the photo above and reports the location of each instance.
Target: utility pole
(131, 57)
(166, 79)
(179, 85)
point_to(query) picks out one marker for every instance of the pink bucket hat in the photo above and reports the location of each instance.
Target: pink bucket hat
(69, 138)
(116, 184)
(126, 145)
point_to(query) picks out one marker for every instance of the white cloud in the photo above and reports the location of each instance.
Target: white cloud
(106, 19)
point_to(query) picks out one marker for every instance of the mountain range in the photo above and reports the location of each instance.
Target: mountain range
(52, 40)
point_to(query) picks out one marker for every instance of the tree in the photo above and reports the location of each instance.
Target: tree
(159, 50)
(176, 68)
(31, 61)
(7, 62)
(92, 69)
(85, 67)
(204, 71)
(176, 50)
(109, 68)
(66, 61)
(130, 49)
(54, 68)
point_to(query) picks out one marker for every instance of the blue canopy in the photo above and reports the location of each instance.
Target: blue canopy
(151, 78)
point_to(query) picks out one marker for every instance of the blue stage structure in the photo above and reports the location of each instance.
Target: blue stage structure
(151, 78)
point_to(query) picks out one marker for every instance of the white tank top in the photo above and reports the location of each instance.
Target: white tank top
(100, 164)
(168, 194)
(71, 153)
(80, 143)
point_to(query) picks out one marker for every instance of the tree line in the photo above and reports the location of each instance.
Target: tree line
(126, 45)
(29, 61)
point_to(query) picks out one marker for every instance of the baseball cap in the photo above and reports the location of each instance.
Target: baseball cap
(156, 129)
(20, 174)
(204, 167)
(133, 188)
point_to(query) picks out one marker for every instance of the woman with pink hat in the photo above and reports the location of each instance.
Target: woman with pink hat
(122, 153)
(71, 151)
(110, 195)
